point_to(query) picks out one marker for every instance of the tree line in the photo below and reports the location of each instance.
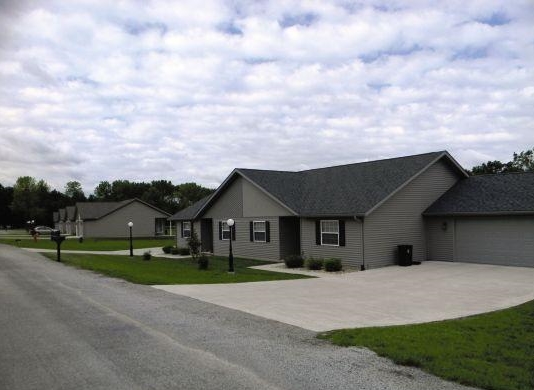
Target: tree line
(31, 199)
(521, 162)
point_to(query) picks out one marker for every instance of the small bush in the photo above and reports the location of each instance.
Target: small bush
(295, 261)
(167, 249)
(175, 251)
(314, 264)
(332, 265)
(183, 251)
(147, 255)
(193, 245)
(203, 262)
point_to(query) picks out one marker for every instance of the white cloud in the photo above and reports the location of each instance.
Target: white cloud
(147, 90)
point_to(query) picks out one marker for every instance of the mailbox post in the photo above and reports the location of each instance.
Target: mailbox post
(58, 238)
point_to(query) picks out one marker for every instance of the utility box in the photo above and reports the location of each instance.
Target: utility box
(405, 255)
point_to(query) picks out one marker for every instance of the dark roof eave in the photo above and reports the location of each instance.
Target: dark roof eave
(478, 213)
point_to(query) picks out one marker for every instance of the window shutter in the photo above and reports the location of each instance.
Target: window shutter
(267, 231)
(317, 232)
(232, 232)
(341, 232)
(182, 229)
(251, 227)
(220, 230)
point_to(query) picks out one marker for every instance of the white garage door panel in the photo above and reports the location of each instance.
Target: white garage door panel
(495, 240)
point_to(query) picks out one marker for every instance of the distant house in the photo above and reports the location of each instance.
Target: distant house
(361, 212)
(70, 218)
(61, 223)
(110, 219)
(55, 218)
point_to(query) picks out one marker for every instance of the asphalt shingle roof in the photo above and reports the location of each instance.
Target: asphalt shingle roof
(62, 213)
(189, 212)
(486, 194)
(352, 189)
(96, 210)
(55, 214)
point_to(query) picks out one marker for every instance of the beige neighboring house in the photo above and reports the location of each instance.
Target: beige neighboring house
(110, 219)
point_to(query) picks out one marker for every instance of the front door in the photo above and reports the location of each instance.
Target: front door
(206, 234)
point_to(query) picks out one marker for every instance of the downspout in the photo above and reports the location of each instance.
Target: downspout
(361, 219)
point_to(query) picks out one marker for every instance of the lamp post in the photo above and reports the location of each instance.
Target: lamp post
(230, 222)
(130, 225)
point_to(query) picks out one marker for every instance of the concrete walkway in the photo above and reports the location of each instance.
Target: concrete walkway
(156, 252)
(393, 295)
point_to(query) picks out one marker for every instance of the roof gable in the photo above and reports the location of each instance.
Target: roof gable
(509, 193)
(97, 210)
(345, 190)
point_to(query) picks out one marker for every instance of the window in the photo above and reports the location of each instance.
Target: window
(225, 231)
(186, 227)
(260, 232)
(330, 233)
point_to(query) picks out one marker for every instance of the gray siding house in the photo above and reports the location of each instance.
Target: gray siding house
(110, 219)
(361, 213)
(484, 219)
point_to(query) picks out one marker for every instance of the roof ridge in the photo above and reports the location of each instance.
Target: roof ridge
(373, 161)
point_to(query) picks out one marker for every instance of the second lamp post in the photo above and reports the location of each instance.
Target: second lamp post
(130, 225)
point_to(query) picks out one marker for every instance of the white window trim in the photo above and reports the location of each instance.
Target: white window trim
(259, 231)
(225, 230)
(184, 229)
(321, 225)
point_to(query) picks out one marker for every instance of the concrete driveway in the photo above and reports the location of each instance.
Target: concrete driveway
(393, 295)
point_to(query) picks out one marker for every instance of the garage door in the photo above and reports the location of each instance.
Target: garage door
(495, 240)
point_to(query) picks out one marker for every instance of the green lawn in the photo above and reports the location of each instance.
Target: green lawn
(44, 242)
(491, 351)
(171, 271)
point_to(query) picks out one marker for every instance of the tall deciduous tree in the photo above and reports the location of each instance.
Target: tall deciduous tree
(28, 199)
(74, 190)
(521, 162)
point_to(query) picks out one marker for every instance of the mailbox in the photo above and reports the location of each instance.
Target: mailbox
(58, 238)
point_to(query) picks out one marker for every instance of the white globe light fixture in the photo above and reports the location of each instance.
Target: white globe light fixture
(230, 222)
(130, 224)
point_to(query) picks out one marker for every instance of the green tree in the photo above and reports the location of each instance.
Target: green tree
(103, 191)
(6, 198)
(29, 196)
(189, 193)
(521, 162)
(194, 245)
(73, 190)
(524, 161)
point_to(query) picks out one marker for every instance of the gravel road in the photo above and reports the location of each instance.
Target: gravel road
(65, 328)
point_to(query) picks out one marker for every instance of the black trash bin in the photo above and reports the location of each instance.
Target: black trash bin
(405, 255)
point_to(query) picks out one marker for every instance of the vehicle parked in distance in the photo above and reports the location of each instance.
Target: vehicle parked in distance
(43, 230)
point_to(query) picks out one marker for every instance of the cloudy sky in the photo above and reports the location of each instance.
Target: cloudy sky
(187, 90)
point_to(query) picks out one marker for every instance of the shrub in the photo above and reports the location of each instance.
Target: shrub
(203, 262)
(167, 249)
(175, 251)
(147, 255)
(183, 251)
(314, 264)
(193, 244)
(332, 265)
(294, 261)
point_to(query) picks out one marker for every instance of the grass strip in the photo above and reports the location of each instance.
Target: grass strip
(172, 271)
(491, 351)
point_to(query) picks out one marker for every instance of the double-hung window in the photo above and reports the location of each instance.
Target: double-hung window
(225, 231)
(186, 228)
(260, 232)
(330, 232)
